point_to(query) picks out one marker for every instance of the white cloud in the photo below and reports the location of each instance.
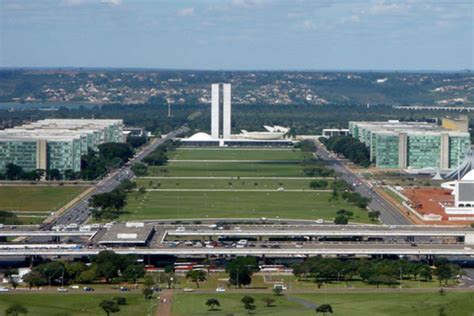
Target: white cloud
(112, 2)
(186, 12)
(249, 3)
(73, 2)
(350, 19)
(383, 7)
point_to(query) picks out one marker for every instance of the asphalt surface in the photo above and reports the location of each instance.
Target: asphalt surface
(79, 213)
(388, 214)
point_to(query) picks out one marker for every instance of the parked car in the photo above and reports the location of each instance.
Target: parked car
(88, 289)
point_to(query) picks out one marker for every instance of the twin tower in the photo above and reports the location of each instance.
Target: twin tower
(226, 110)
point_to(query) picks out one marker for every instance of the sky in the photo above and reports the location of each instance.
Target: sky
(239, 34)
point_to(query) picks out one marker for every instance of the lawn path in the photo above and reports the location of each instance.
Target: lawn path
(166, 301)
(305, 303)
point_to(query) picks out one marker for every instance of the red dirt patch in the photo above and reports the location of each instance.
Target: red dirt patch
(431, 201)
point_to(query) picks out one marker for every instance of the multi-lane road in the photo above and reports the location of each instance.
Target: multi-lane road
(79, 212)
(388, 213)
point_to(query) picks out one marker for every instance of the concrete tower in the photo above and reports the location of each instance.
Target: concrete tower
(215, 110)
(227, 110)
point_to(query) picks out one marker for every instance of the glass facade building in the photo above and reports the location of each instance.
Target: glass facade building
(55, 143)
(417, 145)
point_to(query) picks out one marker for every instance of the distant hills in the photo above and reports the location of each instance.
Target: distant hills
(127, 86)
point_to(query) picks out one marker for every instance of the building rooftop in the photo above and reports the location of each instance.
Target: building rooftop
(132, 233)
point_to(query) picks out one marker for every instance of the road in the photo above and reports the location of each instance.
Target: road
(388, 213)
(79, 212)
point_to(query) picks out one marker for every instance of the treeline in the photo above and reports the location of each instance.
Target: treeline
(350, 147)
(375, 272)
(107, 267)
(159, 156)
(97, 164)
(110, 205)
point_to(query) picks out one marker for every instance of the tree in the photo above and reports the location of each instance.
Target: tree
(149, 281)
(54, 174)
(341, 219)
(374, 215)
(110, 151)
(139, 169)
(212, 303)
(442, 311)
(324, 309)
(318, 184)
(15, 310)
(268, 301)
(148, 293)
(425, 272)
(277, 290)
(13, 172)
(120, 300)
(109, 306)
(196, 276)
(241, 269)
(444, 273)
(34, 278)
(248, 302)
(134, 272)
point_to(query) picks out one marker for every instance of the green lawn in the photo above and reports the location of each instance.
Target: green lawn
(297, 205)
(228, 169)
(248, 184)
(238, 154)
(354, 304)
(62, 304)
(36, 198)
(215, 280)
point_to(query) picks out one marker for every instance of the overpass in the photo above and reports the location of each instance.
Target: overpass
(320, 249)
(46, 233)
(464, 233)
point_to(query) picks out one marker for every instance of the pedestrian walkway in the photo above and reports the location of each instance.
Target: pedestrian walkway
(164, 306)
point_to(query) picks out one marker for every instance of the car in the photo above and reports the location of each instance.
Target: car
(88, 289)
(4, 289)
(220, 289)
(62, 289)
(187, 289)
(124, 289)
(181, 229)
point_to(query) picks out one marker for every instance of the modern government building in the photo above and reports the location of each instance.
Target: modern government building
(417, 145)
(56, 143)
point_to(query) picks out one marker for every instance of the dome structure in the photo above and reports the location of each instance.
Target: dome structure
(201, 136)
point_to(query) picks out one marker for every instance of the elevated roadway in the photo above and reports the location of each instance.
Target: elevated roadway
(314, 250)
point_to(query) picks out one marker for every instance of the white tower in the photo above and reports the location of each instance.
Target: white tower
(226, 111)
(215, 110)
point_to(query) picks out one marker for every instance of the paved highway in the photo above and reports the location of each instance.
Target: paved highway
(79, 212)
(312, 250)
(389, 214)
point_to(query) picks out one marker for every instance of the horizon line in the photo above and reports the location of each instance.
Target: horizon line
(231, 70)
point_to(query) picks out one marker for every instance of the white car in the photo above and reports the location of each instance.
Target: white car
(62, 289)
(180, 229)
(187, 289)
(220, 289)
(4, 289)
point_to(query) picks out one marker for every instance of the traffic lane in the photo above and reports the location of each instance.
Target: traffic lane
(389, 215)
(109, 183)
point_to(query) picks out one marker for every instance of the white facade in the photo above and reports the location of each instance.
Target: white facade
(215, 110)
(227, 110)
